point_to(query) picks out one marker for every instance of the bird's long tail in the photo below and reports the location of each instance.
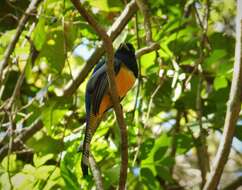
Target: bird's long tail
(92, 124)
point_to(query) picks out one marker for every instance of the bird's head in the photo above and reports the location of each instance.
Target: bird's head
(126, 53)
(126, 48)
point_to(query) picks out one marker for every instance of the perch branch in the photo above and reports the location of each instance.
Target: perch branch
(107, 41)
(233, 109)
(96, 173)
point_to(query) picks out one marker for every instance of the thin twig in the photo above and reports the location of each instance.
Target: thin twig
(233, 109)
(151, 102)
(139, 65)
(9, 15)
(147, 49)
(201, 146)
(10, 145)
(107, 41)
(17, 87)
(203, 23)
(32, 6)
(146, 121)
(175, 132)
(147, 25)
(140, 81)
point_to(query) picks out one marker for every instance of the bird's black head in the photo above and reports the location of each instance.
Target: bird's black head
(126, 53)
(126, 47)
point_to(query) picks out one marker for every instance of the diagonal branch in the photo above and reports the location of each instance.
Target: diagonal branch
(147, 49)
(113, 32)
(107, 41)
(32, 6)
(233, 109)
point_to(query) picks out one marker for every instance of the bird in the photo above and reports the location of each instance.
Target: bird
(97, 96)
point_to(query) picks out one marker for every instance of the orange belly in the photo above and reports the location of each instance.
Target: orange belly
(125, 79)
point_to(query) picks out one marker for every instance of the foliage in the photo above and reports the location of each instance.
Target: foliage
(163, 128)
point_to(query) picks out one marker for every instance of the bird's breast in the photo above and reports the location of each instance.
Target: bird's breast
(124, 79)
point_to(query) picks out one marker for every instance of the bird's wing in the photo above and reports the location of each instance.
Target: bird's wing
(98, 85)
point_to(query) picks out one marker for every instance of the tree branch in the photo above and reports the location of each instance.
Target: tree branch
(16, 91)
(175, 131)
(147, 25)
(107, 42)
(234, 184)
(113, 32)
(96, 173)
(21, 138)
(32, 6)
(233, 109)
(147, 49)
(201, 146)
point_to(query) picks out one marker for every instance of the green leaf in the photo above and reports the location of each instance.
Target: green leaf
(145, 148)
(41, 160)
(107, 5)
(113, 174)
(71, 31)
(42, 172)
(53, 112)
(69, 178)
(44, 144)
(4, 181)
(12, 163)
(53, 51)
(164, 173)
(184, 143)
(220, 82)
(147, 60)
(238, 130)
(40, 34)
(216, 55)
(160, 153)
(148, 178)
(157, 152)
(23, 181)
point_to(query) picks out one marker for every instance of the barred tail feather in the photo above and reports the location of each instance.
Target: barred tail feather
(91, 127)
(85, 152)
(84, 169)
